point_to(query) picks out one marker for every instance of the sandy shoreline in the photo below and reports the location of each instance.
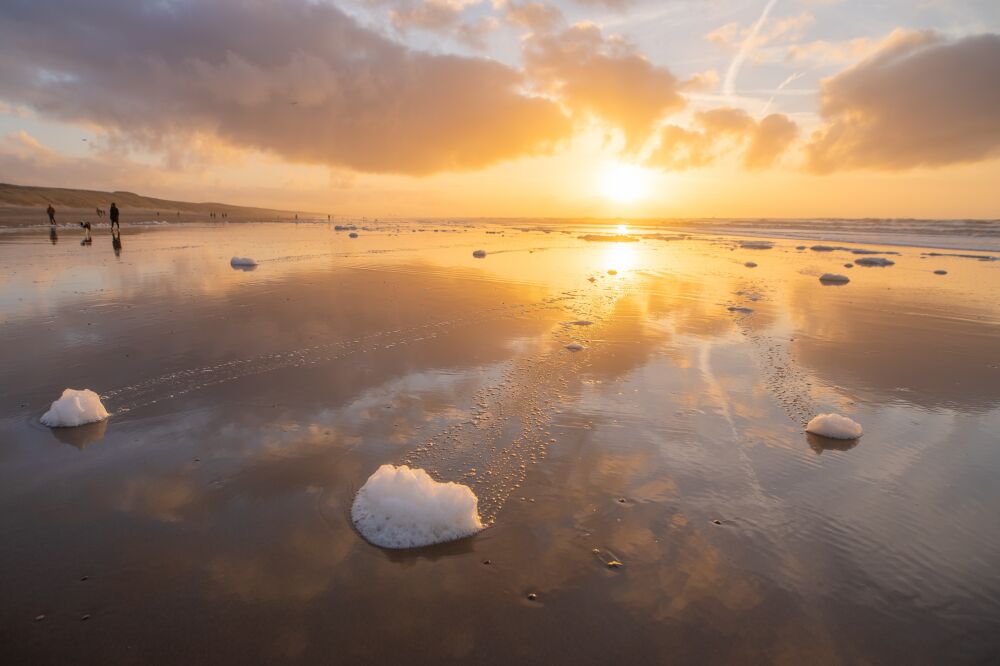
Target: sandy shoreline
(210, 515)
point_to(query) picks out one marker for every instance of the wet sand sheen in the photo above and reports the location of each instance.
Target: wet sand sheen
(210, 515)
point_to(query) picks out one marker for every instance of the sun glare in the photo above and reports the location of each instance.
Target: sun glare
(622, 229)
(625, 183)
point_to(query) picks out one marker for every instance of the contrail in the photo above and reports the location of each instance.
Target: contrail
(781, 86)
(729, 85)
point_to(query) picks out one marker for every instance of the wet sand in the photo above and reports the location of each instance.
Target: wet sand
(208, 521)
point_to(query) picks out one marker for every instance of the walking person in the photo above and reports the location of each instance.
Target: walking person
(114, 216)
(52, 215)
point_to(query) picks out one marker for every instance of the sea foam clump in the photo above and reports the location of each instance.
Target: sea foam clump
(242, 261)
(834, 278)
(400, 507)
(834, 426)
(75, 408)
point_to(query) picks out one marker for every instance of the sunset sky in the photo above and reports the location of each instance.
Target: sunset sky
(740, 108)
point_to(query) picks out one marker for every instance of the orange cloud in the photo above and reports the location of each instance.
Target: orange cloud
(917, 101)
(603, 77)
(617, 5)
(535, 16)
(24, 159)
(722, 131)
(772, 136)
(298, 79)
(445, 17)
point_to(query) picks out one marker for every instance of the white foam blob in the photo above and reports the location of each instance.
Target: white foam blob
(242, 261)
(575, 347)
(834, 278)
(74, 408)
(479, 254)
(834, 426)
(400, 507)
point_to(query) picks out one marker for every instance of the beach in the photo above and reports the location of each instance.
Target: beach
(626, 400)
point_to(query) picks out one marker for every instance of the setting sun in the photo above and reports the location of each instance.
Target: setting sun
(625, 183)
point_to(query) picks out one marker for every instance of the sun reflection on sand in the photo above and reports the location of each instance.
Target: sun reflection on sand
(620, 257)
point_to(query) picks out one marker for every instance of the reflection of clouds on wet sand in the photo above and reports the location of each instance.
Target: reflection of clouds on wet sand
(932, 356)
(667, 448)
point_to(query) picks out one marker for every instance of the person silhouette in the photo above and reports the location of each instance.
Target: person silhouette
(86, 228)
(114, 216)
(52, 215)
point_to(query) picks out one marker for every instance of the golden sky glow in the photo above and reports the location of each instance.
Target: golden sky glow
(504, 108)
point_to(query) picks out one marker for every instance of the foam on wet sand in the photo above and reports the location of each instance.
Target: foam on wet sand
(74, 408)
(834, 426)
(400, 507)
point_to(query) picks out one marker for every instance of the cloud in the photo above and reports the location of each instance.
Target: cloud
(535, 16)
(429, 14)
(746, 47)
(604, 77)
(443, 17)
(789, 28)
(770, 139)
(919, 100)
(823, 52)
(700, 81)
(752, 42)
(617, 5)
(298, 79)
(23, 159)
(719, 132)
(725, 35)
